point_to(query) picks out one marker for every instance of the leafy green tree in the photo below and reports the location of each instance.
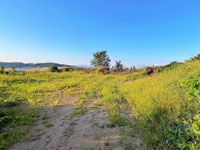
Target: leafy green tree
(101, 59)
(119, 65)
(53, 69)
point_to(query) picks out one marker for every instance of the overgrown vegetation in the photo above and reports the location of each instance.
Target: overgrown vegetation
(165, 105)
(170, 66)
(13, 118)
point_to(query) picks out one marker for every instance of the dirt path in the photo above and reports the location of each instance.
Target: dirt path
(66, 128)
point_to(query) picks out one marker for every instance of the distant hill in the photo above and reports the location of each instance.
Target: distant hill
(49, 64)
(82, 65)
(26, 65)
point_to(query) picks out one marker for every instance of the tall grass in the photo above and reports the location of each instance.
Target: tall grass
(163, 103)
(159, 102)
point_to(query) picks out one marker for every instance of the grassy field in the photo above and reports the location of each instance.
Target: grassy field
(165, 105)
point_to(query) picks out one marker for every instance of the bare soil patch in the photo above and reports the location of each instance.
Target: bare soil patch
(59, 128)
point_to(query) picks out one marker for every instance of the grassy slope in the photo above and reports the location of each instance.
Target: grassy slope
(166, 105)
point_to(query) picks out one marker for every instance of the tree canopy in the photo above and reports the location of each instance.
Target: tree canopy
(100, 59)
(119, 65)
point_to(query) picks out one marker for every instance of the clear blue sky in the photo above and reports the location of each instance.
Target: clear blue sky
(138, 32)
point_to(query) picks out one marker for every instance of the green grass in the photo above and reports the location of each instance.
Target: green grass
(165, 105)
(13, 123)
(77, 112)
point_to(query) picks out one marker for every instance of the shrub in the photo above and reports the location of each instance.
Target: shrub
(2, 69)
(53, 69)
(70, 69)
(149, 70)
(67, 69)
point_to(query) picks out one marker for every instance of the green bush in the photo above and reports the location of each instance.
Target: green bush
(53, 69)
(68, 69)
(185, 133)
(2, 70)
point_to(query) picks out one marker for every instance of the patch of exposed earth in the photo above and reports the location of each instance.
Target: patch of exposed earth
(61, 128)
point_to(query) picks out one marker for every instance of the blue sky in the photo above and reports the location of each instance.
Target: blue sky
(138, 32)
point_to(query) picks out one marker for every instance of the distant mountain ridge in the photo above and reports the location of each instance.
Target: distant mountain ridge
(26, 65)
(83, 65)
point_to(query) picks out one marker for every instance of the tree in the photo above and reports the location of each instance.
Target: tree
(197, 57)
(119, 65)
(133, 68)
(53, 69)
(101, 59)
